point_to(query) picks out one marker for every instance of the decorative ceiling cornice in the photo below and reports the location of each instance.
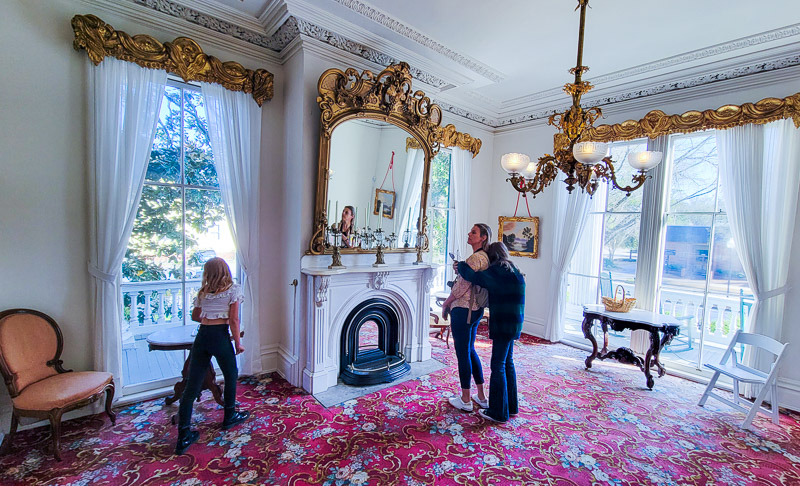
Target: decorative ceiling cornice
(396, 26)
(700, 80)
(294, 26)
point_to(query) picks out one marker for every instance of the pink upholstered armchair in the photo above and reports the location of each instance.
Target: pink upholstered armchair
(30, 351)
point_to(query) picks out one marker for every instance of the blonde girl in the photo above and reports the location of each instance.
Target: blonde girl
(216, 308)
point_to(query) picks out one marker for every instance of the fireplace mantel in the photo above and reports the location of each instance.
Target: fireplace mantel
(330, 296)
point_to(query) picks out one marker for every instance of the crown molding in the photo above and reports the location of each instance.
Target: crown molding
(273, 17)
(382, 18)
(698, 93)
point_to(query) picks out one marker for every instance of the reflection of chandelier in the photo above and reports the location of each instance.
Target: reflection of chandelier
(583, 162)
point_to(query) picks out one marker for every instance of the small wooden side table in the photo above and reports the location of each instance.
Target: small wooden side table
(182, 338)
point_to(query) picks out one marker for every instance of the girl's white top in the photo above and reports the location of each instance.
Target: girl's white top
(217, 306)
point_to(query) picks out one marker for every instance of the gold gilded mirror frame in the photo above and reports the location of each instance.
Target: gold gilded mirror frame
(387, 97)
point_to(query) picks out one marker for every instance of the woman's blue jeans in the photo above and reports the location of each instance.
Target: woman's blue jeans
(469, 364)
(503, 382)
(211, 340)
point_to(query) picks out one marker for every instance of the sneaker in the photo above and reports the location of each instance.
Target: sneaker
(460, 404)
(481, 403)
(485, 414)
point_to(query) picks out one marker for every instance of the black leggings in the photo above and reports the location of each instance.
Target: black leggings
(211, 340)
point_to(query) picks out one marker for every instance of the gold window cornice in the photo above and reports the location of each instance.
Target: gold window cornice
(182, 56)
(657, 123)
(450, 137)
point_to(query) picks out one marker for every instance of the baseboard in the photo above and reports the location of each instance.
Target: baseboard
(534, 327)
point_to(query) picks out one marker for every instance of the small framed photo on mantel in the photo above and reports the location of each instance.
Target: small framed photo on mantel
(385, 201)
(521, 235)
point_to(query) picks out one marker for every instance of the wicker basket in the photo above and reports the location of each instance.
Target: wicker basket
(622, 305)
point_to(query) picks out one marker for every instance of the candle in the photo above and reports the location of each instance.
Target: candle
(328, 212)
(336, 214)
(380, 214)
(408, 225)
(394, 225)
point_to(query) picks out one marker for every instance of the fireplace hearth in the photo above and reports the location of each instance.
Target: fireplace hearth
(370, 345)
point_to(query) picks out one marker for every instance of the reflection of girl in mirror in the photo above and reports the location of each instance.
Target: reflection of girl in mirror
(346, 226)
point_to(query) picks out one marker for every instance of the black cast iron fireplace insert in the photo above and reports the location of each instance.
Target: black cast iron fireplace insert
(367, 359)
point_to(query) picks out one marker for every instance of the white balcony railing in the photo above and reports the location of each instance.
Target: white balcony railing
(150, 306)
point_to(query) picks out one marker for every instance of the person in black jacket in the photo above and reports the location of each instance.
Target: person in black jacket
(506, 287)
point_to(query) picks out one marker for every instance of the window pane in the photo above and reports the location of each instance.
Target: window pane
(155, 250)
(437, 228)
(617, 200)
(694, 173)
(586, 260)
(165, 157)
(440, 180)
(207, 233)
(620, 249)
(688, 238)
(199, 168)
(727, 274)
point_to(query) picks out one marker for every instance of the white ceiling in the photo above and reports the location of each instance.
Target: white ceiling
(502, 56)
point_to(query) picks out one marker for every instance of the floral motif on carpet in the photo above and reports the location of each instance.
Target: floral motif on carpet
(575, 427)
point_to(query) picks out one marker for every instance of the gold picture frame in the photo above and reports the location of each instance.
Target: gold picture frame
(520, 235)
(386, 200)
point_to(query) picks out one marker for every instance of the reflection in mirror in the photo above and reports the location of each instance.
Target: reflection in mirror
(373, 176)
(368, 336)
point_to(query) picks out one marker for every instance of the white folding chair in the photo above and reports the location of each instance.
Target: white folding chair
(729, 366)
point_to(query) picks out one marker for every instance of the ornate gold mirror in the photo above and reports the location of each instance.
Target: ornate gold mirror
(377, 136)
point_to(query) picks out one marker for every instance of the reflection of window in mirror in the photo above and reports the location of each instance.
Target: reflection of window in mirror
(440, 219)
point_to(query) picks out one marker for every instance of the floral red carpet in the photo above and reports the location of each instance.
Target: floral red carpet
(576, 427)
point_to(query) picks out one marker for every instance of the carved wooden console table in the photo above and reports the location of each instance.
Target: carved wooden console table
(636, 319)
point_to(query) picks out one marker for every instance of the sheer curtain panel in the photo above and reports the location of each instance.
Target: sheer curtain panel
(569, 219)
(124, 102)
(234, 122)
(412, 187)
(760, 178)
(461, 168)
(649, 251)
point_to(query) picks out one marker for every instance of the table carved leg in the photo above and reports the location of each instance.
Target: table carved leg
(209, 383)
(652, 357)
(587, 333)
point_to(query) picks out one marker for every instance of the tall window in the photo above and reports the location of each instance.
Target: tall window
(607, 253)
(702, 282)
(180, 225)
(440, 217)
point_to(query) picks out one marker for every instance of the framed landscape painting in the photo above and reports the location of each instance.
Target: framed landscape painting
(385, 201)
(521, 235)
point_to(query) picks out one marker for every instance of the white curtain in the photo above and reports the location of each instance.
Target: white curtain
(461, 170)
(569, 219)
(234, 126)
(124, 102)
(760, 178)
(651, 227)
(412, 188)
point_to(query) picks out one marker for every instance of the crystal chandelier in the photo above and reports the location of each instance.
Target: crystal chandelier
(583, 162)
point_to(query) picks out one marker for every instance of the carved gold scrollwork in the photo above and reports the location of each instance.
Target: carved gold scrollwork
(182, 56)
(657, 123)
(450, 137)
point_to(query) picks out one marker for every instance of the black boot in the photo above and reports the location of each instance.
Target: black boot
(186, 437)
(232, 417)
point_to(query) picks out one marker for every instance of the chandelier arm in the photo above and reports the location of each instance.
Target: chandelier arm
(607, 173)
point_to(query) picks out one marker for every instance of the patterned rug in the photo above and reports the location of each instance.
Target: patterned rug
(575, 427)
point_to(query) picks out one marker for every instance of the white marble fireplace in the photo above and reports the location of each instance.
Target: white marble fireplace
(331, 295)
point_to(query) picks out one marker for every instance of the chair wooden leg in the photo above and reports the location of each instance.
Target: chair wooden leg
(775, 411)
(109, 400)
(6, 447)
(748, 420)
(447, 338)
(709, 388)
(55, 427)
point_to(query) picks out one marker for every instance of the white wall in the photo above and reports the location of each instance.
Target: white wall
(44, 217)
(536, 140)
